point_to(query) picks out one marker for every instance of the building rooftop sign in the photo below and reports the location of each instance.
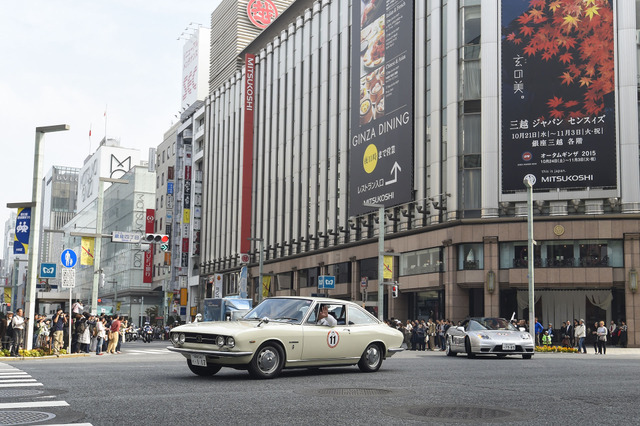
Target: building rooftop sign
(261, 13)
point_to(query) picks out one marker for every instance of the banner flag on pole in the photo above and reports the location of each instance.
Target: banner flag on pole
(388, 268)
(266, 285)
(23, 230)
(88, 247)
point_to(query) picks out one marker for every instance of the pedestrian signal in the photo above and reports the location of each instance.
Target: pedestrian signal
(394, 291)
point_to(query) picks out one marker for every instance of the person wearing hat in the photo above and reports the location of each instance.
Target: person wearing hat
(550, 330)
(581, 334)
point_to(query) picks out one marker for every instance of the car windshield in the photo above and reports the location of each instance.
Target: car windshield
(290, 310)
(491, 324)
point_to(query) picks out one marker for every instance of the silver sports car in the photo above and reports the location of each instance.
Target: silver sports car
(488, 336)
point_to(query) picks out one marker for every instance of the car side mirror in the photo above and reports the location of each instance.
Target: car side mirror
(522, 329)
(460, 328)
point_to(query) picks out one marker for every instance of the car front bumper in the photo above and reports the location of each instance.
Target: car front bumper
(209, 353)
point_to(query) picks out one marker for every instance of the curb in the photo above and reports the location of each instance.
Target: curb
(28, 358)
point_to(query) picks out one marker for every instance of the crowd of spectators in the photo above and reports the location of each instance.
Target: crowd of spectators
(88, 332)
(421, 335)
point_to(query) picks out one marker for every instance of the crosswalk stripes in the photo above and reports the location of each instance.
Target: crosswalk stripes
(12, 377)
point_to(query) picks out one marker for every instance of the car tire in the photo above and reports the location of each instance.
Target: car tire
(371, 358)
(448, 349)
(209, 370)
(268, 361)
(526, 356)
(467, 347)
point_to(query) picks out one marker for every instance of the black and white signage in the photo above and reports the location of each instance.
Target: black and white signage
(381, 144)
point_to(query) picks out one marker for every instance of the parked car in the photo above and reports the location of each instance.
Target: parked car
(283, 332)
(488, 336)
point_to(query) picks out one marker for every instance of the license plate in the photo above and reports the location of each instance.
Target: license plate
(199, 360)
(508, 347)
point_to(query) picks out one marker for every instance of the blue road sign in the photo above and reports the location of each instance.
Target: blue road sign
(69, 258)
(48, 270)
(326, 282)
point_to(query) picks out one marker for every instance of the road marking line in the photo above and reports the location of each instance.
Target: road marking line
(18, 385)
(33, 404)
(72, 424)
(15, 376)
(9, 369)
(157, 351)
(17, 380)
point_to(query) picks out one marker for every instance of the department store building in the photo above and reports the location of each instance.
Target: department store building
(436, 110)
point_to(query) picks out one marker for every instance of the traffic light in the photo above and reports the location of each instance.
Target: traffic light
(102, 279)
(162, 239)
(394, 291)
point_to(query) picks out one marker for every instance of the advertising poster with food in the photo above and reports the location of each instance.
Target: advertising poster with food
(381, 143)
(558, 94)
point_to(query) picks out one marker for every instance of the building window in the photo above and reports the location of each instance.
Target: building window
(284, 281)
(422, 262)
(342, 272)
(564, 254)
(470, 256)
(369, 268)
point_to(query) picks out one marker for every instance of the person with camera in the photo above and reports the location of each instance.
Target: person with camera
(59, 322)
(18, 323)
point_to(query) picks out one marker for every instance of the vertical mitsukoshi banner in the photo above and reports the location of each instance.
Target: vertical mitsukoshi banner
(558, 94)
(23, 231)
(381, 144)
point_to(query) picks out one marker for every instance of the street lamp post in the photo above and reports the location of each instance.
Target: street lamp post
(260, 267)
(34, 237)
(380, 208)
(529, 181)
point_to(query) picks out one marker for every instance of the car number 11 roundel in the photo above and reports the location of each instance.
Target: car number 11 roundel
(333, 338)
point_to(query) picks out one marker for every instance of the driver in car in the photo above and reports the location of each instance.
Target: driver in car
(324, 318)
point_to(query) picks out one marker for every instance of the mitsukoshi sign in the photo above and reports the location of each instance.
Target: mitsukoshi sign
(558, 94)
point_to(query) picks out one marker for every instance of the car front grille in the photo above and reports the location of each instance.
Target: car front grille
(208, 339)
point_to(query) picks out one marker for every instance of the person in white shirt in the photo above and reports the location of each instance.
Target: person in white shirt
(324, 318)
(581, 333)
(78, 307)
(18, 323)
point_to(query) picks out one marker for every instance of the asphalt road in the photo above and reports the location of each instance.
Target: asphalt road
(147, 385)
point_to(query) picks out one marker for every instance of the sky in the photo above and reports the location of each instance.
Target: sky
(70, 61)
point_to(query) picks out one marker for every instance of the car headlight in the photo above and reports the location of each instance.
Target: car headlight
(220, 341)
(174, 338)
(483, 336)
(181, 338)
(231, 342)
(526, 336)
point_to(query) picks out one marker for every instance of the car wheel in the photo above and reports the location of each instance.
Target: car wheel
(526, 356)
(268, 361)
(448, 349)
(371, 359)
(209, 370)
(467, 346)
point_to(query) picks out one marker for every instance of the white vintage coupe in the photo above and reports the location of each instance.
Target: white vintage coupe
(283, 332)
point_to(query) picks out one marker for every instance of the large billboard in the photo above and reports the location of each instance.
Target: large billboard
(381, 143)
(558, 94)
(195, 67)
